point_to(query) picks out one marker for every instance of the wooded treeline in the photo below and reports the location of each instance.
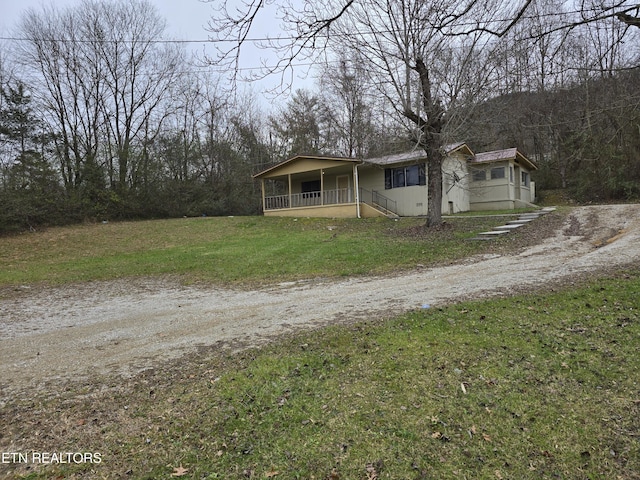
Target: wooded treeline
(102, 116)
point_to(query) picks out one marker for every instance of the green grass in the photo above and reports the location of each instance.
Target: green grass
(233, 250)
(537, 386)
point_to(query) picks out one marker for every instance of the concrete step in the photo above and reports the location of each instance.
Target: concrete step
(523, 219)
(509, 227)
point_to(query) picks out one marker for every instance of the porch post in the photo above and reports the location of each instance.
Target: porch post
(356, 186)
(289, 177)
(321, 187)
(264, 198)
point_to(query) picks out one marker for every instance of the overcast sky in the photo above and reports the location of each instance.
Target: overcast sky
(186, 20)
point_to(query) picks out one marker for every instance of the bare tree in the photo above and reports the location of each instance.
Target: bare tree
(424, 76)
(347, 99)
(138, 72)
(55, 54)
(103, 75)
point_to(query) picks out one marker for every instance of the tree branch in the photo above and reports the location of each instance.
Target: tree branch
(497, 33)
(628, 19)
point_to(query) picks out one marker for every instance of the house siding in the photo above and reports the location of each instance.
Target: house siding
(410, 201)
(492, 194)
(500, 193)
(413, 200)
(455, 185)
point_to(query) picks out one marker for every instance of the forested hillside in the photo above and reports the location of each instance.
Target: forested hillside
(585, 138)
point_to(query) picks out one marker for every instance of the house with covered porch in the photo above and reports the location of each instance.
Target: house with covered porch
(392, 185)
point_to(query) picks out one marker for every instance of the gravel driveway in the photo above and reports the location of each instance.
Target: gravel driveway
(125, 326)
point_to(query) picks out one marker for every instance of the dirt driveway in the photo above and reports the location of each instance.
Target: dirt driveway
(122, 327)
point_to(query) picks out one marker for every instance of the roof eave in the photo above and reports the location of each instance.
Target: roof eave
(524, 160)
(461, 147)
(299, 157)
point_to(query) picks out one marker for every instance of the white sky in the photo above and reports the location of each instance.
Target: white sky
(186, 20)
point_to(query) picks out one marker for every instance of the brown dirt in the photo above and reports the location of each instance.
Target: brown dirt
(52, 336)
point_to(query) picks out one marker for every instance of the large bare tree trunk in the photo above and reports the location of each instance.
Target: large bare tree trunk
(431, 125)
(434, 194)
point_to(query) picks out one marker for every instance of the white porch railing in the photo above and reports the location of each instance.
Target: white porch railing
(310, 199)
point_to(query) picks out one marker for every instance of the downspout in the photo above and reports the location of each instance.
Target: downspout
(510, 190)
(356, 186)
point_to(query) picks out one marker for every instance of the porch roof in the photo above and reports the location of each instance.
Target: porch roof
(305, 163)
(501, 155)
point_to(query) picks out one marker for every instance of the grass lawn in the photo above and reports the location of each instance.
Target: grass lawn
(235, 250)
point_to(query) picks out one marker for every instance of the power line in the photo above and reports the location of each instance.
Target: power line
(561, 14)
(81, 41)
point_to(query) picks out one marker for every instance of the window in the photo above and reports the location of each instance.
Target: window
(310, 189)
(398, 177)
(413, 174)
(511, 174)
(525, 179)
(497, 172)
(405, 176)
(479, 175)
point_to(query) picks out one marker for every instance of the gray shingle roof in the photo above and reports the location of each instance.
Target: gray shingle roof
(398, 158)
(496, 155)
(413, 155)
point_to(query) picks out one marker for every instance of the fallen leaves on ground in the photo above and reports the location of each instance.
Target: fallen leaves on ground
(371, 473)
(179, 471)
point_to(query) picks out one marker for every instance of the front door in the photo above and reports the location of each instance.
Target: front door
(342, 185)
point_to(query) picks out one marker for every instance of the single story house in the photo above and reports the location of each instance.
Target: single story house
(393, 185)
